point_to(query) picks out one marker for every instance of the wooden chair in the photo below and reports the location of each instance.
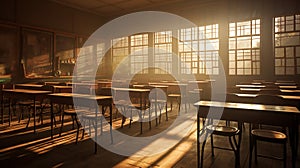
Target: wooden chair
(42, 105)
(73, 113)
(224, 131)
(267, 135)
(179, 96)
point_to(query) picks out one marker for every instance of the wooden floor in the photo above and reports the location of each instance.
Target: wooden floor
(20, 147)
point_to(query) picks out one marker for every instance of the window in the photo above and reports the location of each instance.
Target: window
(119, 50)
(209, 49)
(244, 48)
(287, 45)
(139, 54)
(101, 61)
(199, 50)
(163, 52)
(188, 50)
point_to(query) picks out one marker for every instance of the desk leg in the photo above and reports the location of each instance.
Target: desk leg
(198, 143)
(293, 132)
(2, 110)
(9, 111)
(34, 114)
(96, 130)
(51, 120)
(110, 120)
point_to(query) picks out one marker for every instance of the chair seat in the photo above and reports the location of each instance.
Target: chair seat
(72, 111)
(269, 135)
(138, 106)
(222, 130)
(158, 101)
(174, 95)
(25, 103)
(91, 116)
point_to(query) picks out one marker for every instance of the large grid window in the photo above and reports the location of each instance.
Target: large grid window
(139, 54)
(119, 50)
(199, 50)
(287, 45)
(209, 49)
(244, 48)
(188, 50)
(163, 52)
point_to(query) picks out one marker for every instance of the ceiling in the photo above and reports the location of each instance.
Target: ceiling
(114, 8)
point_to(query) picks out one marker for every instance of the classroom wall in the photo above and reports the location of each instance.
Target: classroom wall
(225, 11)
(49, 15)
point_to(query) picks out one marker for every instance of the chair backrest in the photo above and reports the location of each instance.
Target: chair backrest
(269, 99)
(104, 91)
(47, 88)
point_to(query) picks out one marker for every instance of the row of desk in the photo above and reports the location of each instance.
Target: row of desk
(287, 114)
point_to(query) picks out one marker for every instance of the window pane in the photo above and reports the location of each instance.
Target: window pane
(244, 47)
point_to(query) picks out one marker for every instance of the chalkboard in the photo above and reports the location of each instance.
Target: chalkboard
(8, 50)
(37, 52)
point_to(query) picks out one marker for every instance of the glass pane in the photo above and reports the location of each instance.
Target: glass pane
(289, 52)
(290, 62)
(279, 70)
(279, 52)
(231, 71)
(290, 71)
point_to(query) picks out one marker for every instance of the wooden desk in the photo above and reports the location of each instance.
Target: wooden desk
(104, 84)
(143, 93)
(250, 89)
(288, 87)
(287, 116)
(82, 100)
(164, 88)
(62, 89)
(250, 86)
(24, 93)
(28, 86)
(290, 92)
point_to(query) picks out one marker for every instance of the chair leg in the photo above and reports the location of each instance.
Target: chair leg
(235, 147)
(202, 150)
(62, 123)
(72, 121)
(78, 128)
(21, 115)
(149, 119)
(41, 115)
(284, 155)
(28, 118)
(255, 149)
(212, 145)
(130, 118)
(167, 110)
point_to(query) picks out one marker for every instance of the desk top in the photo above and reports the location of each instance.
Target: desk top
(26, 91)
(29, 85)
(251, 86)
(246, 95)
(62, 87)
(131, 89)
(289, 97)
(251, 89)
(75, 95)
(247, 106)
(289, 91)
(288, 87)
